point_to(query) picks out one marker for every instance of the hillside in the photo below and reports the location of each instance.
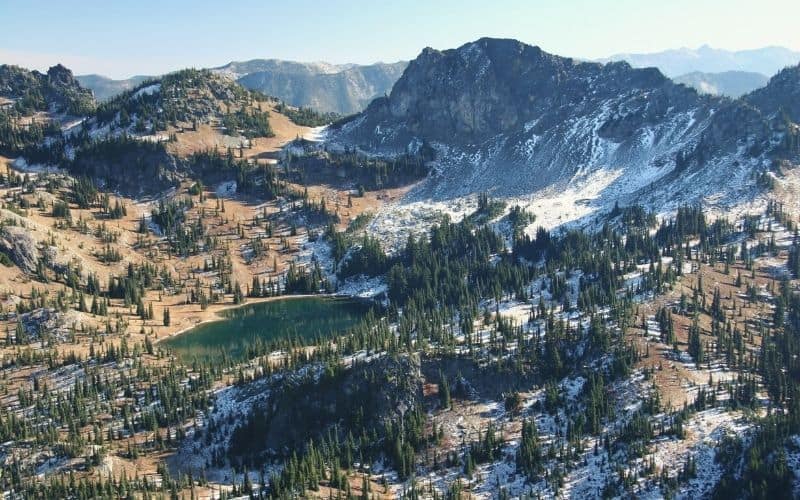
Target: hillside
(179, 98)
(152, 136)
(727, 83)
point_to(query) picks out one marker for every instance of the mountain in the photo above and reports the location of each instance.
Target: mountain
(512, 120)
(343, 89)
(105, 88)
(56, 91)
(674, 62)
(727, 83)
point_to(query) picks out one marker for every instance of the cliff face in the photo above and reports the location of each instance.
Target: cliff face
(498, 86)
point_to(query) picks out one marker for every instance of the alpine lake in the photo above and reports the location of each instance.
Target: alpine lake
(237, 329)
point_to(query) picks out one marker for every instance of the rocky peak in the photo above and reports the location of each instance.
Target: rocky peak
(56, 90)
(512, 119)
(493, 86)
(60, 76)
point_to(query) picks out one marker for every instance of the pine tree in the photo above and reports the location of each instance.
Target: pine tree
(444, 391)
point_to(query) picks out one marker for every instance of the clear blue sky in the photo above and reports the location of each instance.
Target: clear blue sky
(120, 38)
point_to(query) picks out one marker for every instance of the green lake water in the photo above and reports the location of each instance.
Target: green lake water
(300, 317)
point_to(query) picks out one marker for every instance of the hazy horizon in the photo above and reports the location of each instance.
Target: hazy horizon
(340, 32)
(45, 66)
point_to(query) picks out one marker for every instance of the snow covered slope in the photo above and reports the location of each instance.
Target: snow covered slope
(512, 120)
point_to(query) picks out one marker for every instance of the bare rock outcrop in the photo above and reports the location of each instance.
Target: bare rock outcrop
(19, 245)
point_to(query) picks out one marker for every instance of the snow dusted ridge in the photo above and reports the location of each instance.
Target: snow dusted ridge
(573, 155)
(583, 201)
(566, 140)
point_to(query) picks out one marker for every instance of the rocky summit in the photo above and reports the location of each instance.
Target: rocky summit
(509, 118)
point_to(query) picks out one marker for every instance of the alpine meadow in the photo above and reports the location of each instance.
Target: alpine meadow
(554, 254)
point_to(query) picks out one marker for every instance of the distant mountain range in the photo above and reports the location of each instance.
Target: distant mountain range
(676, 62)
(342, 88)
(348, 88)
(716, 71)
(727, 83)
(105, 88)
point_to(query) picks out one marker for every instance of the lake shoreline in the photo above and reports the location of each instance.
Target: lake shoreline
(232, 307)
(248, 302)
(232, 330)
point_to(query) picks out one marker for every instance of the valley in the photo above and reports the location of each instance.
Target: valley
(580, 283)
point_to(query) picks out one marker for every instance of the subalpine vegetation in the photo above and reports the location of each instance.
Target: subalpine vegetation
(179, 99)
(253, 123)
(307, 117)
(443, 291)
(425, 312)
(367, 173)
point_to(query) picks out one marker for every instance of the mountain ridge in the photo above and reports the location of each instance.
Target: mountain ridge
(537, 124)
(348, 87)
(338, 88)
